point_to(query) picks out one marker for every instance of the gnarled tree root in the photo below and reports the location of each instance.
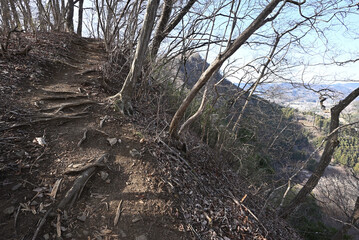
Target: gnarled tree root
(73, 193)
(122, 104)
(76, 189)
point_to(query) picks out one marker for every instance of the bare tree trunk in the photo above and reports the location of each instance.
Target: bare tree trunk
(217, 63)
(14, 13)
(165, 16)
(70, 16)
(5, 15)
(81, 10)
(29, 19)
(332, 143)
(162, 30)
(42, 15)
(123, 98)
(197, 113)
(255, 85)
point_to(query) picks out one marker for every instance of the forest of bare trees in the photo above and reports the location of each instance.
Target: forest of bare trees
(251, 42)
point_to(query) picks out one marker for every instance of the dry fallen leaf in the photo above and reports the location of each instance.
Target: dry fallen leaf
(40, 140)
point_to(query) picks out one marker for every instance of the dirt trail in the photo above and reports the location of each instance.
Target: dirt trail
(65, 105)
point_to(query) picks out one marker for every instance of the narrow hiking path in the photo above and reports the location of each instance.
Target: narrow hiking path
(72, 126)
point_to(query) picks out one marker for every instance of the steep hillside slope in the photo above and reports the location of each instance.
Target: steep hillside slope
(72, 167)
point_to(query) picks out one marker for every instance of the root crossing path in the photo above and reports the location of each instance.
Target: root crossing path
(86, 171)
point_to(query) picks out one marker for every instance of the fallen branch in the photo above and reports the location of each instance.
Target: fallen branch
(15, 220)
(76, 189)
(83, 138)
(118, 213)
(42, 222)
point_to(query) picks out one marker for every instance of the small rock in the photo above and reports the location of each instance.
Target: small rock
(104, 175)
(16, 187)
(86, 233)
(112, 141)
(142, 237)
(122, 233)
(82, 218)
(135, 153)
(40, 140)
(9, 210)
(136, 219)
(46, 236)
(68, 235)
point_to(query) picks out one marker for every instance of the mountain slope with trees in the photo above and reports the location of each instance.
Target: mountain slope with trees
(117, 95)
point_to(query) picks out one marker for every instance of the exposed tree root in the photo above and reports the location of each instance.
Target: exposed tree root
(83, 138)
(42, 222)
(63, 106)
(76, 189)
(68, 97)
(74, 192)
(122, 104)
(46, 118)
(83, 168)
(87, 71)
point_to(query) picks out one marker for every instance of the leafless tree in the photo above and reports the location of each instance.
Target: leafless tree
(123, 98)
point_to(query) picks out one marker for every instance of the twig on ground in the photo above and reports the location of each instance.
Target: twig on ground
(118, 213)
(83, 138)
(41, 223)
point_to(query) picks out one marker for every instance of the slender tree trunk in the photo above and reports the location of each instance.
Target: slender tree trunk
(123, 98)
(29, 15)
(14, 13)
(70, 16)
(5, 14)
(42, 15)
(332, 143)
(165, 16)
(217, 63)
(163, 30)
(255, 85)
(81, 10)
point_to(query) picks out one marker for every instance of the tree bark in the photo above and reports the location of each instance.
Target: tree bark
(15, 14)
(5, 14)
(163, 30)
(70, 16)
(165, 16)
(123, 98)
(81, 10)
(332, 143)
(217, 63)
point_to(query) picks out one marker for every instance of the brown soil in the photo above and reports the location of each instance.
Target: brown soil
(56, 94)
